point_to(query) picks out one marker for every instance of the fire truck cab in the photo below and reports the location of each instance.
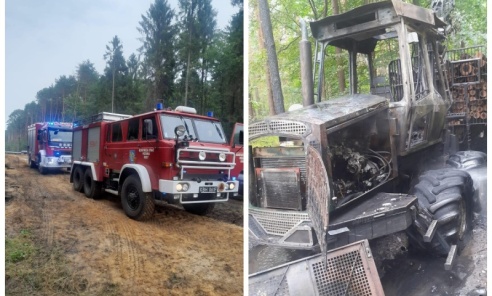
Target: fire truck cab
(49, 146)
(161, 156)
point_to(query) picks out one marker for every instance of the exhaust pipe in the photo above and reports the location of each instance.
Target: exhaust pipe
(306, 67)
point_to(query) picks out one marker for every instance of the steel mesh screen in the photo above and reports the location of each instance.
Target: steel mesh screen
(288, 127)
(276, 222)
(257, 128)
(344, 275)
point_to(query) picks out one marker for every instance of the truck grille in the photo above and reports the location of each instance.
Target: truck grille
(277, 222)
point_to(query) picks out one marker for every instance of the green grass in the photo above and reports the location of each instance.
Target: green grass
(18, 248)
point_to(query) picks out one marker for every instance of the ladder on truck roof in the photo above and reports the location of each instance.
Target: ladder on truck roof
(103, 116)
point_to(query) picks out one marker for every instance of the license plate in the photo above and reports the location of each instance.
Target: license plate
(208, 189)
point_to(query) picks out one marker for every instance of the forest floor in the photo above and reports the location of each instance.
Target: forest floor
(58, 242)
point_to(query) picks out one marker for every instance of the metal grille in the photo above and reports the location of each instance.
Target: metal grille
(277, 126)
(280, 188)
(277, 222)
(284, 162)
(288, 127)
(257, 128)
(344, 275)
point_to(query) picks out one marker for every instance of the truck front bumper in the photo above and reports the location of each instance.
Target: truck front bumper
(214, 190)
(56, 162)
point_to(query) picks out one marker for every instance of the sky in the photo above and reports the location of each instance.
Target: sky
(47, 39)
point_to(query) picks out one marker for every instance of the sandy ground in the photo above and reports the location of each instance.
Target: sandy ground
(175, 253)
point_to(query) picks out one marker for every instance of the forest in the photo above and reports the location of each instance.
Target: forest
(183, 60)
(467, 25)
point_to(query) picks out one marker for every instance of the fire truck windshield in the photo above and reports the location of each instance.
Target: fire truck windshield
(57, 135)
(199, 129)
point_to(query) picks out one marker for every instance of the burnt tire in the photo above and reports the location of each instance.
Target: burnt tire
(78, 178)
(443, 195)
(92, 188)
(137, 204)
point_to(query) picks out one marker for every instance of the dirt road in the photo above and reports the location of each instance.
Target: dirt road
(102, 252)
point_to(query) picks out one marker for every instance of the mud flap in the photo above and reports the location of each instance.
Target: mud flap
(318, 194)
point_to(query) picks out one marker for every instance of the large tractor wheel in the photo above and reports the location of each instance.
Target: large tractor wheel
(445, 195)
(78, 178)
(137, 204)
(200, 209)
(92, 188)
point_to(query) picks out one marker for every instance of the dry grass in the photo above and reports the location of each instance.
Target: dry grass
(34, 269)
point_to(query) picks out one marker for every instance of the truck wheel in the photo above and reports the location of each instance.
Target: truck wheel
(78, 178)
(137, 204)
(92, 188)
(446, 196)
(42, 169)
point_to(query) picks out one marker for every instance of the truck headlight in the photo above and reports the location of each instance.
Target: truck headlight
(222, 157)
(232, 186)
(202, 155)
(182, 187)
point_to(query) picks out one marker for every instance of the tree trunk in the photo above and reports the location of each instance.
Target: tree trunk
(338, 54)
(261, 42)
(187, 78)
(266, 27)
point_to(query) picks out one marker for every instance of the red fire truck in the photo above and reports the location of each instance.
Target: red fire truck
(49, 146)
(236, 144)
(157, 157)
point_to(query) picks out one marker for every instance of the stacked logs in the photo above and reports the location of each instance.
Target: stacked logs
(469, 87)
(468, 71)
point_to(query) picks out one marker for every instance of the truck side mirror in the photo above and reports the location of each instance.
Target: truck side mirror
(38, 137)
(180, 130)
(241, 137)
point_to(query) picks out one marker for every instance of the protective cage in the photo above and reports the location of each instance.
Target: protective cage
(350, 270)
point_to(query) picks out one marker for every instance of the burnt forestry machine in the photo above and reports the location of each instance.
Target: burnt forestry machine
(374, 163)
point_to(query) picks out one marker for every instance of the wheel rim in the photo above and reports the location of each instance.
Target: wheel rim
(133, 198)
(462, 226)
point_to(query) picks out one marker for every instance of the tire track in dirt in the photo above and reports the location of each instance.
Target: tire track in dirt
(174, 253)
(47, 224)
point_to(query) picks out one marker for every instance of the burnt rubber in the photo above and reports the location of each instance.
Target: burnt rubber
(445, 195)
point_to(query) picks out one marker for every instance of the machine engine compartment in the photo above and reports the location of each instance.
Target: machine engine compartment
(360, 159)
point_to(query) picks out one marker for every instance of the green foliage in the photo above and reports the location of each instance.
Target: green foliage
(468, 23)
